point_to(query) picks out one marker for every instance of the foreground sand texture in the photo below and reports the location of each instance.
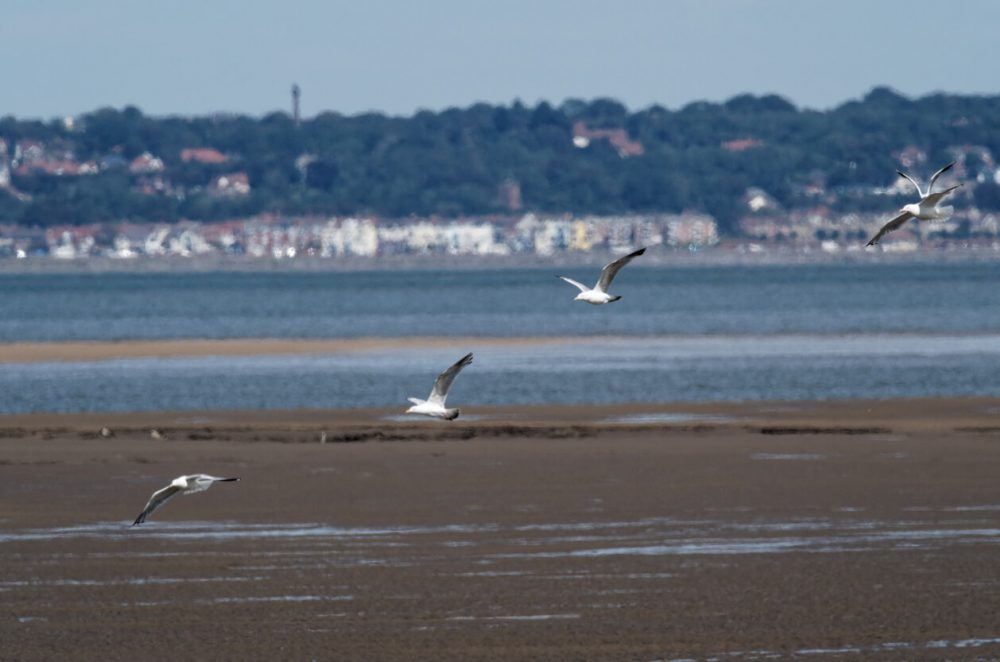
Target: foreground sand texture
(808, 530)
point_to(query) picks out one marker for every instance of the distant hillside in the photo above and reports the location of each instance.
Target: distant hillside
(592, 157)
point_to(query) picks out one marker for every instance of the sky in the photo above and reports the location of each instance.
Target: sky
(195, 57)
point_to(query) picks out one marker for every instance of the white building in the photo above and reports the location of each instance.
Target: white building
(350, 236)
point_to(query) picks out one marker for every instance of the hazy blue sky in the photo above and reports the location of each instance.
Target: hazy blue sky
(63, 57)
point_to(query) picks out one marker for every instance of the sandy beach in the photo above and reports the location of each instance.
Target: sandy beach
(820, 530)
(31, 352)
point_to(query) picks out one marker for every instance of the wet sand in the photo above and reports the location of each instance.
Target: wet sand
(741, 531)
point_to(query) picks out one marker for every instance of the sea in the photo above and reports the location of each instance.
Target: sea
(679, 334)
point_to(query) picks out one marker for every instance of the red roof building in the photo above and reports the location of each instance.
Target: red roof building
(741, 144)
(617, 138)
(203, 155)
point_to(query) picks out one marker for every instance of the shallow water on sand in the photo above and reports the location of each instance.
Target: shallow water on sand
(580, 371)
(309, 561)
(641, 537)
(679, 334)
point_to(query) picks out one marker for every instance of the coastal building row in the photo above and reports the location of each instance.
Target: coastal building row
(531, 234)
(832, 232)
(363, 237)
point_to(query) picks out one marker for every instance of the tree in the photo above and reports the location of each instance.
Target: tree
(702, 157)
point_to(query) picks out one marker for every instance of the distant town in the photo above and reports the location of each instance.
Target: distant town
(764, 225)
(751, 176)
(802, 232)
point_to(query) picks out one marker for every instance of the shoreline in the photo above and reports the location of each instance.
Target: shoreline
(779, 256)
(104, 350)
(72, 351)
(817, 417)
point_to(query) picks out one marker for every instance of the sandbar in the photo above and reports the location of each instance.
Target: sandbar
(31, 352)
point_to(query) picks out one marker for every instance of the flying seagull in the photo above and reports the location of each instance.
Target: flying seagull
(925, 210)
(182, 485)
(434, 404)
(599, 293)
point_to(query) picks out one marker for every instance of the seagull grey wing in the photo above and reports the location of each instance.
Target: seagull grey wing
(581, 286)
(609, 272)
(937, 174)
(934, 198)
(894, 224)
(444, 380)
(198, 483)
(912, 181)
(201, 482)
(158, 499)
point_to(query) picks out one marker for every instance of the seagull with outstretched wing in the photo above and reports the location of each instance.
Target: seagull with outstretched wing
(926, 209)
(598, 294)
(434, 404)
(181, 485)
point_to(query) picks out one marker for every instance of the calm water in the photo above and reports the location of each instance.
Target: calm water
(520, 302)
(705, 333)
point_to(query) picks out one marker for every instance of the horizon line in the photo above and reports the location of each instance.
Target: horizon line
(509, 104)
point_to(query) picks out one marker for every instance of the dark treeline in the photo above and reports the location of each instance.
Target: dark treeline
(458, 161)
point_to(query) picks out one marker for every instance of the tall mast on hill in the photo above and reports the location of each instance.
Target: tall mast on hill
(296, 93)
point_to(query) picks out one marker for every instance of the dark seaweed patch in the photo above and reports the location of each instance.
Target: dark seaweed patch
(815, 430)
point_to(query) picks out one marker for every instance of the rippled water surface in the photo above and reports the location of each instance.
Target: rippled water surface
(817, 299)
